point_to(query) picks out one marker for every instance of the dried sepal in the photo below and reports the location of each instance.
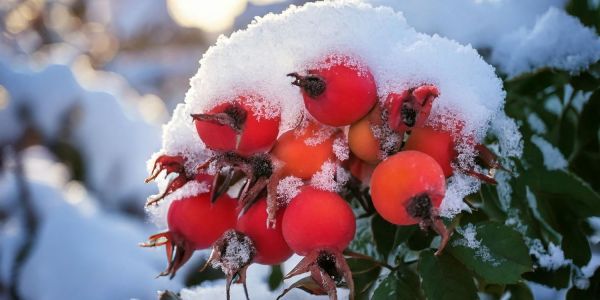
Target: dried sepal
(328, 270)
(178, 251)
(233, 252)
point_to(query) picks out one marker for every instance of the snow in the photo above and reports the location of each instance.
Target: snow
(536, 123)
(331, 177)
(553, 159)
(476, 22)
(469, 240)
(341, 149)
(557, 40)
(375, 38)
(288, 188)
(158, 212)
(523, 36)
(458, 187)
(550, 259)
(583, 275)
(595, 224)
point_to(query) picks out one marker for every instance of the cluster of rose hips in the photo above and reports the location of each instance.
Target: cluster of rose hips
(393, 151)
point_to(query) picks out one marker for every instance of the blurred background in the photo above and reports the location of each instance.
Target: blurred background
(86, 84)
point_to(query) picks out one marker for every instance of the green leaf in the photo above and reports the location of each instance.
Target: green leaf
(570, 190)
(575, 244)
(363, 240)
(592, 292)
(384, 234)
(364, 273)
(558, 279)
(500, 256)
(419, 240)
(445, 278)
(397, 287)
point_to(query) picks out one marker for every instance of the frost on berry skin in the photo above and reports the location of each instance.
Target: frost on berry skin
(339, 91)
(188, 220)
(407, 188)
(236, 126)
(410, 108)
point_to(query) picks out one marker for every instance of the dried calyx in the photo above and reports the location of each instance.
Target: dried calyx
(258, 171)
(170, 164)
(420, 207)
(179, 251)
(233, 253)
(313, 85)
(328, 270)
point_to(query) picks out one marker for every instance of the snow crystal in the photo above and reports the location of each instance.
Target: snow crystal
(341, 149)
(255, 60)
(509, 137)
(469, 240)
(288, 188)
(180, 138)
(595, 225)
(238, 252)
(158, 213)
(583, 275)
(515, 222)
(556, 40)
(553, 159)
(459, 186)
(536, 123)
(503, 188)
(551, 259)
(554, 105)
(317, 137)
(331, 177)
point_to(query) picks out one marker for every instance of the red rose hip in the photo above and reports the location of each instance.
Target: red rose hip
(236, 126)
(338, 92)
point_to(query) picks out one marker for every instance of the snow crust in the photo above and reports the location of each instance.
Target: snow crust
(521, 36)
(255, 61)
(556, 40)
(476, 22)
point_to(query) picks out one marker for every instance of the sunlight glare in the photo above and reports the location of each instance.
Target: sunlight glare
(208, 15)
